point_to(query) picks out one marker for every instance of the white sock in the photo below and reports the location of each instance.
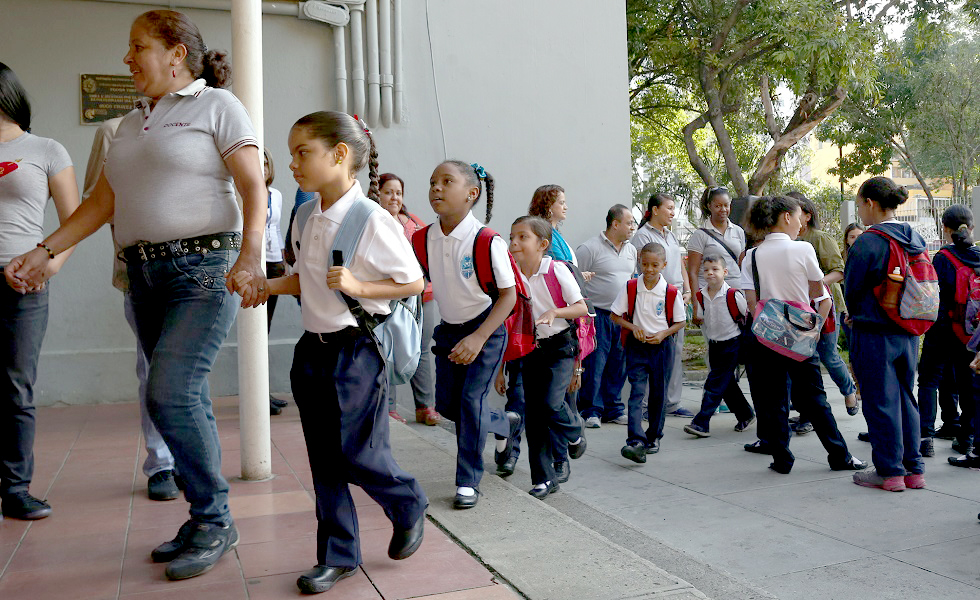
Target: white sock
(465, 491)
(542, 486)
(501, 445)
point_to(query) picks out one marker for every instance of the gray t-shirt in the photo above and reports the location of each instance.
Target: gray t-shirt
(167, 166)
(26, 164)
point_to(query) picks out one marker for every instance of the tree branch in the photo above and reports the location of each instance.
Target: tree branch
(771, 124)
(692, 150)
(726, 28)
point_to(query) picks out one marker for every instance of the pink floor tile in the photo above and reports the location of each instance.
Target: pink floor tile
(278, 556)
(277, 587)
(12, 530)
(226, 590)
(283, 481)
(68, 551)
(79, 582)
(159, 514)
(267, 528)
(66, 520)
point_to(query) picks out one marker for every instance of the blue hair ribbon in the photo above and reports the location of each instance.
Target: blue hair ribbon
(480, 171)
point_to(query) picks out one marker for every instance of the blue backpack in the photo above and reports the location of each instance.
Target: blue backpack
(399, 335)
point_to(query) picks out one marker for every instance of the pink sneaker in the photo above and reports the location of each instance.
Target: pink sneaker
(870, 478)
(916, 481)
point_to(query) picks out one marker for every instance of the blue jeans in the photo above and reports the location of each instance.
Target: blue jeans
(830, 357)
(605, 372)
(183, 314)
(885, 367)
(648, 367)
(23, 321)
(158, 457)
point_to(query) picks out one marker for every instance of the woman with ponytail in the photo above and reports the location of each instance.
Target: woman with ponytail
(169, 187)
(882, 352)
(942, 350)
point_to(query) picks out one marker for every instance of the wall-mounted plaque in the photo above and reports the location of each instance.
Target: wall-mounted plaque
(106, 96)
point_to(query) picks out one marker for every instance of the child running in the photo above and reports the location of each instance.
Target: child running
(549, 366)
(468, 344)
(338, 375)
(723, 309)
(788, 270)
(650, 311)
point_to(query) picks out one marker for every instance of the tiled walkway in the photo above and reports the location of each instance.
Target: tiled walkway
(97, 543)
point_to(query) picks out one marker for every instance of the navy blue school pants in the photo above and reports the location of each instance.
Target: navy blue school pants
(721, 384)
(772, 373)
(549, 371)
(648, 366)
(515, 401)
(605, 372)
(462, 393)
(946, 360)
(341, 389)
(884, 364)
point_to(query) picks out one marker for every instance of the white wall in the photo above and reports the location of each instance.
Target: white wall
(534, 91)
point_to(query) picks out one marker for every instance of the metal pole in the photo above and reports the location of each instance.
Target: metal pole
(253, 341)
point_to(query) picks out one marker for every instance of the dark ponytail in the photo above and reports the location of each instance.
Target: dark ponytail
(13, 98)
(335, 127)
(959, 220)
(766, 211)
(888, 194)
(656, 201)
(475, 176)
(374, 187)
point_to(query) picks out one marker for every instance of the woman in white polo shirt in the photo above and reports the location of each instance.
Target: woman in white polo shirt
(788, 270)
(169, 184)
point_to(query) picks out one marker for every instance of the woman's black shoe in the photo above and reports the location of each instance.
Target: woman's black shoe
(758, 447)
(506, 469)
(462, 502)
(562, 471)
(541, 492)
(321, 578)
(967, 460)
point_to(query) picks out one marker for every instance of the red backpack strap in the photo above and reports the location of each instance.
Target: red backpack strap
(700, 296)
(420, 245)
(671, 298)
(733, 305)
(630, 299)
(554, 286)
(959, 264)
(482, 263)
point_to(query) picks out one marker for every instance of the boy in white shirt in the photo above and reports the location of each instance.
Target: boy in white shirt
(724, 311)
(649, 311)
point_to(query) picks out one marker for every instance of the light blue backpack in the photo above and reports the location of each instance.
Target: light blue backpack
(399, 335)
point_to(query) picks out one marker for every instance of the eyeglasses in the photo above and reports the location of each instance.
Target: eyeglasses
(717, 189)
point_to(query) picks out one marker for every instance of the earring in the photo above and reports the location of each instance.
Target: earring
(174, 73)
(340, 159)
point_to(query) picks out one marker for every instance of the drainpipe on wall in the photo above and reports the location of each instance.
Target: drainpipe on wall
(357, 57)
(339, 49)
(373, 75)
(396, 52)
(384, 48)
(253, 341)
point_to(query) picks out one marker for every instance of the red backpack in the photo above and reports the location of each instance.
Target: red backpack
(738, 317)
(521, 338)
(967, 298)
(671, 297)
(584, 326)
(909, 294)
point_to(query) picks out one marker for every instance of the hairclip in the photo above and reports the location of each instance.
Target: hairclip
(480, 171)
(362, 124)
(205, 48)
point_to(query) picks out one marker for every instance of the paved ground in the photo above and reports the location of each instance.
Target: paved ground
(97, 543)
(702, 519)
(715, 516)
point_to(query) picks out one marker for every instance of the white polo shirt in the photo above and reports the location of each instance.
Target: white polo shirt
(718, 323)
(383, 252)
(786, 268)
(167, 167)
(452, 270)
(541, 300)
(650, 310)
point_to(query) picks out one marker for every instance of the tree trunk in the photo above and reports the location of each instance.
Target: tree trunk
(716, 116)
(805, 120)
(903, 150)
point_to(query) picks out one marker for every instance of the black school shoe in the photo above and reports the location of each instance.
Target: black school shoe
(970, 461)
(635, 451)
(507, 468)
(23, 506)
(550, 487)
(208, 542)
(321, 578)
(851, 464)
(461, 502)
(758, 447)
(577, 450)
(404, 542)
(562, 471)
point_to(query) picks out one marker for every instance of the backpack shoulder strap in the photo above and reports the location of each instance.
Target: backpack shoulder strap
(732, 304)
(420, 244)
(959, 264)
(349, 234)
(630, 299)
(671, 297)
(721, 242)
(554, 286)
(483, 263)
(303, 213)
(700, 297)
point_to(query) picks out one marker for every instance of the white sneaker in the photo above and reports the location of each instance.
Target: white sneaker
(593, 423)
(621, 420)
